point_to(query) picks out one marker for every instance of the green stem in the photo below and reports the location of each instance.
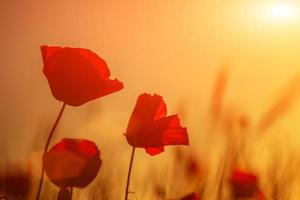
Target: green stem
(46, 149)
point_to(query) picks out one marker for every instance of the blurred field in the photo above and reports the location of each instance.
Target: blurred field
(232, 77)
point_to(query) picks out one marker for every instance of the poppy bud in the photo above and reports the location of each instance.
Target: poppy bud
(72, 163)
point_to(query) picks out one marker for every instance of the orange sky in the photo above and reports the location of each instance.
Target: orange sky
(170, 47)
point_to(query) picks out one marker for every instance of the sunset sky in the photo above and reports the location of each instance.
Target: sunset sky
(170, 47)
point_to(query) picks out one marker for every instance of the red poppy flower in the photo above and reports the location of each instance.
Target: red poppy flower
(72, 163)
(77, 75)
(192, 196)
(150, 128)
(244, 184)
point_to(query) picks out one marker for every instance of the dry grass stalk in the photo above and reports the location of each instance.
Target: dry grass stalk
(285, 101)
(218, 92)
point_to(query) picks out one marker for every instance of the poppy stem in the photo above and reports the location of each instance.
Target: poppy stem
(129, 173)
(71, 192)
(46, 149)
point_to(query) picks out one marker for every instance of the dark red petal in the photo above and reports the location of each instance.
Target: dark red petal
(173, 133)
(83, 147)
(244, 184)
(243, 177)
(96, 61)
(161, 110)
(77, 75)
(109, 87)
(63, 165)
(71, 77)
(48, 51)
(154, 150)
(87, 148)
(148, 108)
(72, 163)
(141, 123)
(149, 127)
(176, 136)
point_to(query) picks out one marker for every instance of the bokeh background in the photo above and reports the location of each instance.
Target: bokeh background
(173, 48)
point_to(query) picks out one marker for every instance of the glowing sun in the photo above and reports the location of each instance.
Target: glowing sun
(281, 11)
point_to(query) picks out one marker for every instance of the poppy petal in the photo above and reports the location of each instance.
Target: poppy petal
(173, 133)
(77, 75)
(96, 61)
(72, 163)
(48, 51)
(66, 159)
(149, 127)
(109, 87)
(244, 184)
(176, 136)
(147, 109)
(154, 150)
(161, 110)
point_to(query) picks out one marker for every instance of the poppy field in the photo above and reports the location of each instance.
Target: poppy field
(77, 76)
(149, 100)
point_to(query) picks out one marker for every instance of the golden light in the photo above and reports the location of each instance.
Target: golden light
(281, 11)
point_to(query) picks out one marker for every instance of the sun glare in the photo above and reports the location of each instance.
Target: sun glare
(281, 12)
